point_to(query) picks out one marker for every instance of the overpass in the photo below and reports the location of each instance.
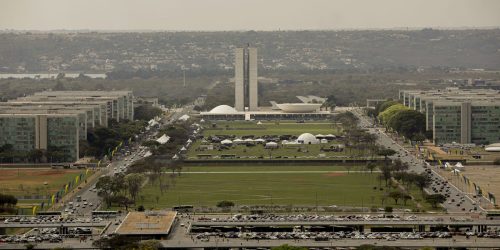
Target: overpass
(53, 225)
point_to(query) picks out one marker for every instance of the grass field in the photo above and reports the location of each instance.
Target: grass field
(21, 182)
(240, 128)
(269, 185)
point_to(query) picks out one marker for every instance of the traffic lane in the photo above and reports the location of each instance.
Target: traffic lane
(385, 140)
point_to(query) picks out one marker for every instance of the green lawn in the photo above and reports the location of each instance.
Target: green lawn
(258, 168)
(268, 188)
(240, 128)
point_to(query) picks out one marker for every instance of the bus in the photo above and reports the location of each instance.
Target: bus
(105, 214)
(493, 215)
(49, 213)
(183, 208)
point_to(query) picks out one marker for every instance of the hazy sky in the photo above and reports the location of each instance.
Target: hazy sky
(245, 14)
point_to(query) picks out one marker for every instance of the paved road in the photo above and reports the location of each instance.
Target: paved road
(418, 165)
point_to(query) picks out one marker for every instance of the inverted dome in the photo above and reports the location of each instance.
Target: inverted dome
(495, 147)
(223, 109)
(298, 107)
(307, 138)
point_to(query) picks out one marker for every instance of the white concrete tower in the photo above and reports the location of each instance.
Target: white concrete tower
(239, 84)
(253, 87)
(246, 91)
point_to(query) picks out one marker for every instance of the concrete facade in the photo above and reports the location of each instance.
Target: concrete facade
(26, 132)
(458, 115)
(245, 79)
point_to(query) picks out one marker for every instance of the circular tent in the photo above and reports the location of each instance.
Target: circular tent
(307, 138)
(223, 109)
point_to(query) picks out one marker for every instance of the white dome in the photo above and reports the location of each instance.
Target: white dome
(307, 138)
(223, 109)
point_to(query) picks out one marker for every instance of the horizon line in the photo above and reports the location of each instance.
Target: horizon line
(409, 28)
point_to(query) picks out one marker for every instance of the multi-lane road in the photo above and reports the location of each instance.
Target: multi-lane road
(457, 201)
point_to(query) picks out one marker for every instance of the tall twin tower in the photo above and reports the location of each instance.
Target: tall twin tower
(245, 76)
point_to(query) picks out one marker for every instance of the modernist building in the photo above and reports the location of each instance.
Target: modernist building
(458, 115)
(246, 105)
(26, 132)
(119, 104)
(245, 79)
(47, 120)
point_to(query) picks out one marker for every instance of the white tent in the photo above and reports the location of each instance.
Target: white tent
(226, 142)
(330, 136)
(189, 141)
(323, 141)
(175, 157)
(259, 123)
(260, 140)
(148, 154)
(202, 120)
(238, 141)
(459, 165)
(447, 165)
(455, 171)
(318, 136)
(184, 118)
(163, 139)
(271, 145)
(248, 140)
(183, 149)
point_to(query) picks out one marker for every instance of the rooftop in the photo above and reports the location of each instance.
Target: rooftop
(147, 223)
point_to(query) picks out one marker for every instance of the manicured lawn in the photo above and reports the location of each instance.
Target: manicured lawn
(21, 182)
(258, 168)
(292, 186)
(269, 128)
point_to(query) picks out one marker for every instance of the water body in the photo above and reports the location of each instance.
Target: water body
(47, 75)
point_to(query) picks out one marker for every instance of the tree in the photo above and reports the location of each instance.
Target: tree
(386, 173)
(104, 188)
(134, 183)
(435, 199)
(149, 245)
(371, 166)
(409, 123)
(288, 247)
(225, 204)
(386, 152)
(406, 197)
(116, 242)
(396, 195)
(330, 103)
(36, 155)
(123, 201)
(146, 112)
(422, 181)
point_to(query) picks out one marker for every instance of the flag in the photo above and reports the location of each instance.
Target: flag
(129, 140)
(99, 163)
(66, 188)
(53, 199)
(76, 179)
(440, 163)
(87, 171)
(121, 143)
(34, 210)
(492, 198)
